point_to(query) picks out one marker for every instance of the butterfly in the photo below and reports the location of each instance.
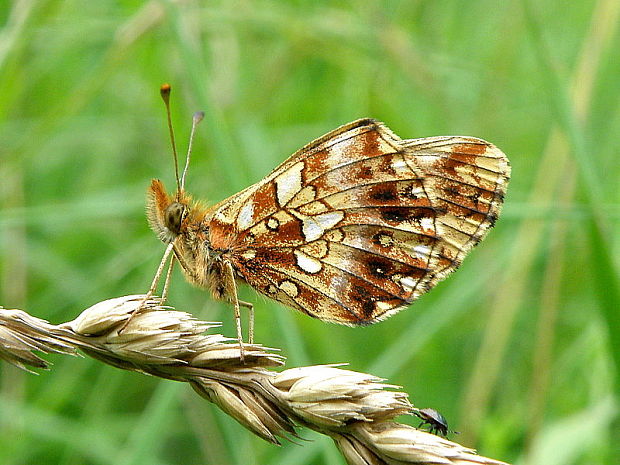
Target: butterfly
(350, 229)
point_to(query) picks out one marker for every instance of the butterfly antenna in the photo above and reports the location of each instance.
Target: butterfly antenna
(197, 118)
(164, 90)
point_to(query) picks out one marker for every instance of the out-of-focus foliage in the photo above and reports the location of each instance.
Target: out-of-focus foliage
(518, 350)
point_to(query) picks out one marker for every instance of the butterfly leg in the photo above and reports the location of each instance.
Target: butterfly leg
(231, 291)
(160, 270)
(153, 288)
(164, 292)
(250, 308)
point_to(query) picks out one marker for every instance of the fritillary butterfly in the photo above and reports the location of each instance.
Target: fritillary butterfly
(350, 229)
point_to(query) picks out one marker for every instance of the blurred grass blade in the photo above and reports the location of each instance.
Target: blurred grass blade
(572, 111)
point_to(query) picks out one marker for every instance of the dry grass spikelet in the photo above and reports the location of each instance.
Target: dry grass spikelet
(356, 410)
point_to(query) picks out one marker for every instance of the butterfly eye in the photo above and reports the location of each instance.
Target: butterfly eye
(173, 217)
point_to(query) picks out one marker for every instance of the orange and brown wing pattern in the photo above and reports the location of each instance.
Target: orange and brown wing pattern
(359, 223)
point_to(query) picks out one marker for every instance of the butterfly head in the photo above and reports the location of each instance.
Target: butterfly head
(167, 215)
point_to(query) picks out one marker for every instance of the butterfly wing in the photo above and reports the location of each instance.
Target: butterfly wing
(359, 223)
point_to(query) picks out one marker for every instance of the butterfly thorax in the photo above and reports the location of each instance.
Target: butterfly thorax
(202, 264)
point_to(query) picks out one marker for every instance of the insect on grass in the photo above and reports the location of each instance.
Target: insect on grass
(436, 422)
(350, 229)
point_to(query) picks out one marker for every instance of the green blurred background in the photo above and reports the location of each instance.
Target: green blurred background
(519, 349)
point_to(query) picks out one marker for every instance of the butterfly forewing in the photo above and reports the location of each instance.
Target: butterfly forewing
(359, 223)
